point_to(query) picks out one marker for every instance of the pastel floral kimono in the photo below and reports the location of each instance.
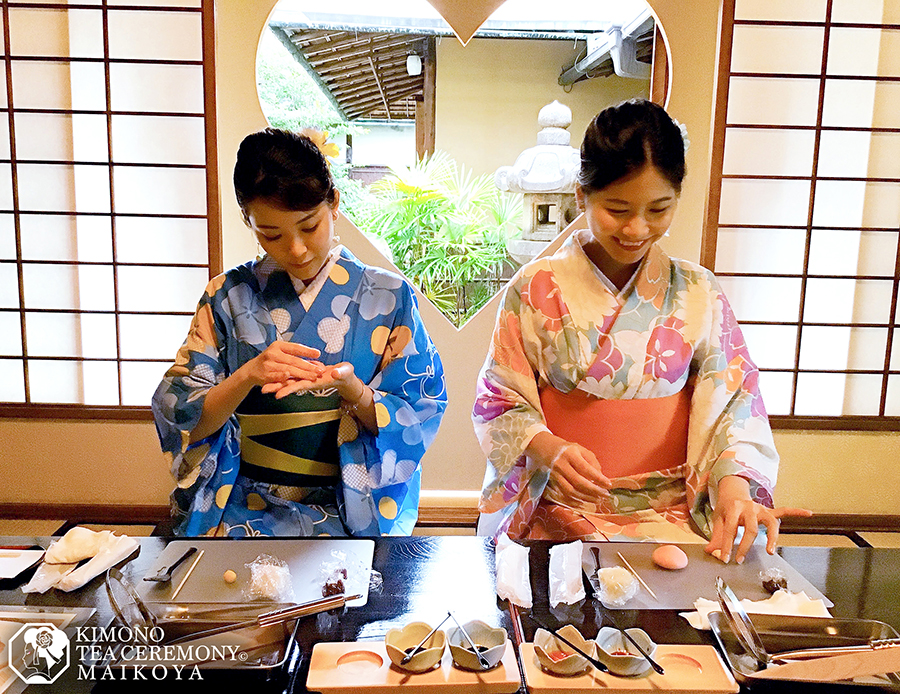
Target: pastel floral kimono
(670, 335)
(356, 313)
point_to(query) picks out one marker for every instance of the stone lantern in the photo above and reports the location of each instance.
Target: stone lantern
(545, 175)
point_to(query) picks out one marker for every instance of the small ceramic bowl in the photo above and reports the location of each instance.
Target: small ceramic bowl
(558, 657)
(491, 642)
(620, 655)
(398, 641)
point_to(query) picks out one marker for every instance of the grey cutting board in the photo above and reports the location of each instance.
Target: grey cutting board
(305, 558)
(677, 590)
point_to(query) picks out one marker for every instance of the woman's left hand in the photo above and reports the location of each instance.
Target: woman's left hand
(340, 376)
(735, 509)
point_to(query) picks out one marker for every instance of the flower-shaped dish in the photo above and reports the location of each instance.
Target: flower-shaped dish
(491, 643)
(398, 642)
(558, 657)
(620, 655)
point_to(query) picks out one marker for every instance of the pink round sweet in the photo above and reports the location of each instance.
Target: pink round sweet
(669, 557)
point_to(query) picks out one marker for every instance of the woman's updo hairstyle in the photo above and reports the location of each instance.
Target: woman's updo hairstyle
(284, 168)
(622, 139)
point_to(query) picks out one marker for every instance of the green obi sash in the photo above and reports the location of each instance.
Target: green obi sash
(292, 441)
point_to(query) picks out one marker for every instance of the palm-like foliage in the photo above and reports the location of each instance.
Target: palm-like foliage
(447, 230)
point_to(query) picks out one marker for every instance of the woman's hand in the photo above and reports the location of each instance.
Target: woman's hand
(278, 364)
(341, 376)
(735, 509)
(284, 363)
(574, 470)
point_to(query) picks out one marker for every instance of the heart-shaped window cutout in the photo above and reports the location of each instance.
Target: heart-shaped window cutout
(457, 236)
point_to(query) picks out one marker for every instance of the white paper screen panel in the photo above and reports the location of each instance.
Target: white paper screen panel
(769, 152)
(57, 37)
(843, 252)
(151, 336)
(751, 250)
(66, 237)
(160, 240)
(834, 348)
(90, 335)
(806, 245)
(110, 240)
(858, 51)
(140, 35)
(778, 10)
(761, 49)
(755, 100)
(866, 11)
(771, 346)
(775, 299)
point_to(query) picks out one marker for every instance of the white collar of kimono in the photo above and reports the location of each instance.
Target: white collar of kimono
(308, 294)
(579, 241)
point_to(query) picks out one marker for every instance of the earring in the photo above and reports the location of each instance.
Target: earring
(335, 240)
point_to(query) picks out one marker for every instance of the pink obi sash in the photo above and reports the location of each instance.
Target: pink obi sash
(629, 437)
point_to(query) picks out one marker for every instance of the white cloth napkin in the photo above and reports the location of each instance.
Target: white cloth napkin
(782, 602)
(58, 570)
(565, 573)
(513, 572)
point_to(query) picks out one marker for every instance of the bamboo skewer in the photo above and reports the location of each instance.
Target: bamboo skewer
(636, 575)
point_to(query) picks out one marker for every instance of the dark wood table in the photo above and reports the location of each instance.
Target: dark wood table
(423, 577)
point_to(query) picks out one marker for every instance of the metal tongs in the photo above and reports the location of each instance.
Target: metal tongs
(740, 624)
(750, 640)
(274, 617)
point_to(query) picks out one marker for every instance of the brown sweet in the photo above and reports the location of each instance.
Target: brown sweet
(774, 584)
(669, 557)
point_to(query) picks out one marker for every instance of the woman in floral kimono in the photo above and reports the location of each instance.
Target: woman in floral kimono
(618, 400)
(307, 390)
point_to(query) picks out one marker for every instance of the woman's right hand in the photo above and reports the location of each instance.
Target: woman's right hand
(283, 362)
(280, 363)
(574, 470)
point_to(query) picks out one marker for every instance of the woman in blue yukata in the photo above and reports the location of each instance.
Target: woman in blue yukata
(307, 389)
(618, 400)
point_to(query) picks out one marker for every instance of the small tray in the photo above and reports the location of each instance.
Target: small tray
(677, 590)
(689, 668)
(305, 557)
(783, 633)
(363, 667)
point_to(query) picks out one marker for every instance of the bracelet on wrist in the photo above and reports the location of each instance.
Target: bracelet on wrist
(352, 407)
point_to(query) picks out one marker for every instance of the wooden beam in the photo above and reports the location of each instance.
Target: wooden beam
(380, 90)
(429, 89)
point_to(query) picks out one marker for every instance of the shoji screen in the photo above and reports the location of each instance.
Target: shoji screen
(803, 231)
(108, 210)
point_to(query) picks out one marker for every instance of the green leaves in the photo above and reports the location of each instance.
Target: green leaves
(447, 230)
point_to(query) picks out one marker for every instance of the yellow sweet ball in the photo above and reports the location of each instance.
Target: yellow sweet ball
(230, 576)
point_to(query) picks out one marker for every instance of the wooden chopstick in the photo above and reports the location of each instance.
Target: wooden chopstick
(187, 575)
(636, 575)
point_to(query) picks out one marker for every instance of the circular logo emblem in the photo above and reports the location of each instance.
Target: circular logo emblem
(39, 653)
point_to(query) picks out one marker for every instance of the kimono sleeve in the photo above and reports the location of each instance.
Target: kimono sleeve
(410, 398)
(507, 412)
(729, 428)
(205, 467)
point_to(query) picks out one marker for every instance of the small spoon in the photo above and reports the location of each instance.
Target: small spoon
(640, 649)
(485, 665)
(405, 659)
(591, 659)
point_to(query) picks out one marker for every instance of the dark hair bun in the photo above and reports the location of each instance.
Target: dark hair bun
(621, 139)
(284, 167)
